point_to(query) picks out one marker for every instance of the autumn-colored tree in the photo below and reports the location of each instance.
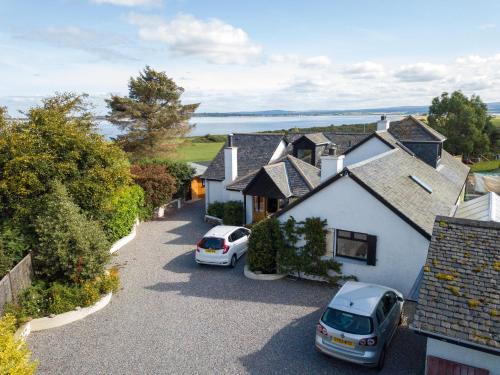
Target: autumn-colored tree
(159, 186)
(152, 115)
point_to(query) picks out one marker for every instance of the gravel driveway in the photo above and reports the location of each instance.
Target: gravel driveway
(175, 317)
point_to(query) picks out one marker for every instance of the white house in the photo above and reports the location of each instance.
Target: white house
(380, 200)
(459, 299)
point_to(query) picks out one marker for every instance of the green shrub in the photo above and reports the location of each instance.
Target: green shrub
(14, 355)
(181, 171)
(159, 186)
(43, 299)
(70, 248)
(13, 247)
(264, 243)
(233, 213)
(216, 209)
(122, 211)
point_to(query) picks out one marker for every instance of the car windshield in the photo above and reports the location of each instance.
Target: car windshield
(212, 243)
(347, 322)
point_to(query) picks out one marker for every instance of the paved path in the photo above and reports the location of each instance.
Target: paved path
(175, 317)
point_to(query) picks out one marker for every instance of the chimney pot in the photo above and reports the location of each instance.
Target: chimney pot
(230, 140)
(332, 151)
(383, 124)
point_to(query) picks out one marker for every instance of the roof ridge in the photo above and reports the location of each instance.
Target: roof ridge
(301, 173)
(280, 164)
(468, 222)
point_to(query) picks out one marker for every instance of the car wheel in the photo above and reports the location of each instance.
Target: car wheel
(381, 360)
(233, 261)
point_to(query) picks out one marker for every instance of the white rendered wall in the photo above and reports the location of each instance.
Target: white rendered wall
(367, 150)
(401, 250)
(214, 192)
(470, 357)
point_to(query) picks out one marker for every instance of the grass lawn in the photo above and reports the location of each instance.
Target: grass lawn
(197, 152)
(496, 121)
(485, 166)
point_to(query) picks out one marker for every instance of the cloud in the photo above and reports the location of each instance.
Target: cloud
(214, 40)
(421, 72)
(487, 26)
(128, 3)
(100, 44)
(366, 69)
(316, 61)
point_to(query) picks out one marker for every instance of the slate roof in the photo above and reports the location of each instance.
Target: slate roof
(412, 129)
(389, 176)
(316, 138)
(292, 176)
(460, 296)
(254, 151)
(343, 141)
(198, 168)
(485, 207)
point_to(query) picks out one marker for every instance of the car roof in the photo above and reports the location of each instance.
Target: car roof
(359, 298)
(220, 230)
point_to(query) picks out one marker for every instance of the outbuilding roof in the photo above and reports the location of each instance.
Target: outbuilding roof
(459, 298)
(485, 207)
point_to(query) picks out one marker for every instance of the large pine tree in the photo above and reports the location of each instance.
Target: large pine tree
(152, 115)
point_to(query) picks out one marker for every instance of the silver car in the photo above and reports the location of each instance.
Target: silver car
(359, 323)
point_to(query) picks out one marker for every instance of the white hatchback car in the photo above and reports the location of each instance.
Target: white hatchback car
(223, 245)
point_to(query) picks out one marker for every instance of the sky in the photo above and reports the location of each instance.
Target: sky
(237, 55)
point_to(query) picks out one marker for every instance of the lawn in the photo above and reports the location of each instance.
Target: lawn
(485, 166)
(198, 152)
(496, 121)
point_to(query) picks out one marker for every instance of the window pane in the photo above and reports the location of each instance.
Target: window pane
(352, 248)
(304, 154)
(360, 236)
(344, 233)
(347, 322)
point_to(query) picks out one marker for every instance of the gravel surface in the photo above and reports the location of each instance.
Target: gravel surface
(175, 317)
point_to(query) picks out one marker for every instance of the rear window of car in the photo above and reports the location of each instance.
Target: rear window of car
(213, 243)
(347, 322)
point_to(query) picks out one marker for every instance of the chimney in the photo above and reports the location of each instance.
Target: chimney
(331, 164)
(383, 124)
(230, 161)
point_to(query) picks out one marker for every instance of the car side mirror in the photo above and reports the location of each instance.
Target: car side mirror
(401, 299)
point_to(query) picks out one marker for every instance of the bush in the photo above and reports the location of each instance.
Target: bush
(216, 209)
(13, 247)
(43, 299)
(70, 248)
(122, 211)
(158, 184)
(233, 213)
(265, 242)
(14, 355)
(181, 171)
(58, 141)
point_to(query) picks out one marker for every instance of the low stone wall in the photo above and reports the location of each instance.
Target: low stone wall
(261, 276)
(213, 220)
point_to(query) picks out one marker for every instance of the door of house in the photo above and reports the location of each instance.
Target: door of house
(259, 205)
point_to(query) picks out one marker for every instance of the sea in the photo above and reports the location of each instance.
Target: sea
(251, 124)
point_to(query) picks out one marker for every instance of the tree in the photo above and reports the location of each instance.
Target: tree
(159, 186)
(71, 248)
(464, 121)
(58, 141)
(151, 115)
(265, 242)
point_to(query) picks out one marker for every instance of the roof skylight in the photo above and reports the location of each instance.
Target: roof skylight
(421, 183)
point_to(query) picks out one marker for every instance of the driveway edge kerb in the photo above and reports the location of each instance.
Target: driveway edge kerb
(263, 276)
(59, 320)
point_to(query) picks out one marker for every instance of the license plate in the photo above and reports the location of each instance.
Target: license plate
(210, 251)
(338, 340)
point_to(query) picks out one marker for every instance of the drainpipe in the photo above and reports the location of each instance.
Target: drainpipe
(244, 209)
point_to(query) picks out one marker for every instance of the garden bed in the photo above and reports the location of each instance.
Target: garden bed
(262, 276)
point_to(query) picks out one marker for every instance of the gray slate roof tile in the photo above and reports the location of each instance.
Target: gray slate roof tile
(459, 295)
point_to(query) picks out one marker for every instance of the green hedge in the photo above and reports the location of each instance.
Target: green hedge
(231, 213)
(122, 211)
(13, 247)
(263, 245)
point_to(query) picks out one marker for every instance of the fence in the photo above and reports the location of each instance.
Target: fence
(17, 279)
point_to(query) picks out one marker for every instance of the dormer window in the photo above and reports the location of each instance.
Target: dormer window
(305, 154)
